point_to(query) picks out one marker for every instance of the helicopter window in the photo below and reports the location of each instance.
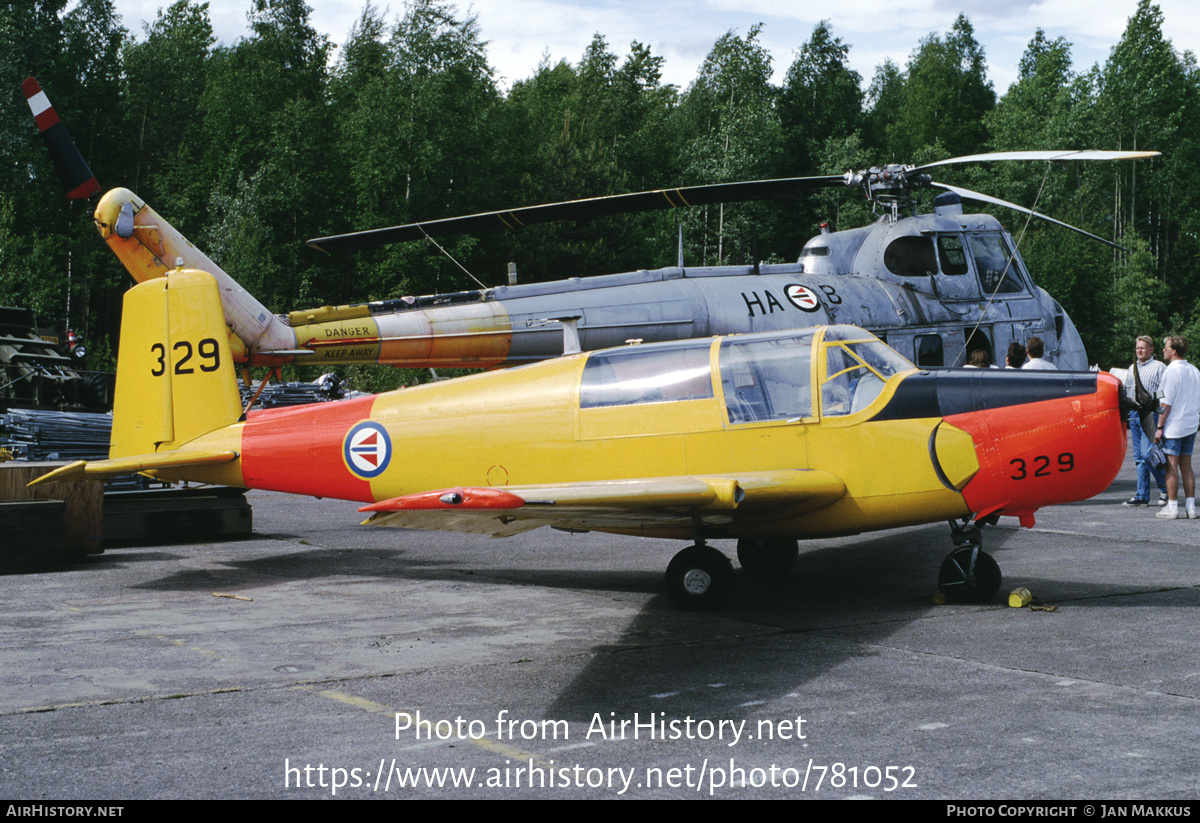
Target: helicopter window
(929, 351)
(767, 379)
(646, 374)
(952, 254)
(997, 269)
(815, 251)
(910, 257)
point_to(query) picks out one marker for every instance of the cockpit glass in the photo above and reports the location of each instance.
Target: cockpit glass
(997, 269)
(881, 357)
(856, 368)
(646, 374)
(767, 379)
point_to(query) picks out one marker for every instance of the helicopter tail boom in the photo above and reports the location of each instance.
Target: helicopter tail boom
(148, 246)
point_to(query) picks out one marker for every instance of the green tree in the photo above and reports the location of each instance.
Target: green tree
(1147, 99)
(883, 103)
(53, 259)
(415, 120)
(31, 44)
(946, 96)
(165, 78)
(1034, 113)
(821, 98)
(599, 128)
(268, 147)
(731, 110)
(821, 111)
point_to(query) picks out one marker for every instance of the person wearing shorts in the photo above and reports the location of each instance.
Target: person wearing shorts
(1177, 425)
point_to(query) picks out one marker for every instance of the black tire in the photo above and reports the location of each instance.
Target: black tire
(699, 579)
(767, 559)
(963, 584)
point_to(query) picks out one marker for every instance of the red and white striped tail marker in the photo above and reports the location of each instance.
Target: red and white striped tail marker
(72, 169)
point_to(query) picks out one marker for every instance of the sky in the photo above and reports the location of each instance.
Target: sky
(520, 33)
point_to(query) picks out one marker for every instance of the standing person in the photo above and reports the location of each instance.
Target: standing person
(1177, 424)
(1036, 349)
(1149, 372)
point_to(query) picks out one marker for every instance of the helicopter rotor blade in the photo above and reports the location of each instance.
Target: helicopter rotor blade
(1052, 156)
(967, 194)
(581, 210)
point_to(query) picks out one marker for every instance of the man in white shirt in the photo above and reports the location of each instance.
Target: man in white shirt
(1036, 349)
(1177, 425)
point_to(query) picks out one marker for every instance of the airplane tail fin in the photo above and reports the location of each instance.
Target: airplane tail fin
(175, 383)
(175, 374)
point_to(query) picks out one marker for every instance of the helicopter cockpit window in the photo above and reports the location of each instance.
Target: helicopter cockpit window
(997, 269)
(952, 254)
(767, 379)
(910, 257)
(856, 369)
(646, 374)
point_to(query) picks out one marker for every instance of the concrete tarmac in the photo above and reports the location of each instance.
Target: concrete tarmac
(358, 662)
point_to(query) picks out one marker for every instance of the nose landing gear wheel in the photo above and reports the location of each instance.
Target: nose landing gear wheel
(699, 578)
(968, 575)
(767, 559)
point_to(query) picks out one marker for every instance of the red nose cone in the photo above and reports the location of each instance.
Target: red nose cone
(1045, 453)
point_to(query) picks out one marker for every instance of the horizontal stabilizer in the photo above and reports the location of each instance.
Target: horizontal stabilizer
(646, 504)
(84, 470)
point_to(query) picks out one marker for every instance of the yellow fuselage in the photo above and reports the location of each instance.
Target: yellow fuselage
(524, 427)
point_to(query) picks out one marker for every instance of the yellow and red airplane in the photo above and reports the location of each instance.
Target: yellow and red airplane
(764, 438)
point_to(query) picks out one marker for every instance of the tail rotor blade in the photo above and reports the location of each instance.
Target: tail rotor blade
(72, 169)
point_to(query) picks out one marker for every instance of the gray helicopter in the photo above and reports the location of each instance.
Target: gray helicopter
(935, 286)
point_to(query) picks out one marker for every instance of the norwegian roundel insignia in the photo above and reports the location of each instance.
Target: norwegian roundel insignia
(367, 449)
(802, 297)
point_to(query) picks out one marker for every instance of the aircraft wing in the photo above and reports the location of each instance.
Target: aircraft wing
(643, 504)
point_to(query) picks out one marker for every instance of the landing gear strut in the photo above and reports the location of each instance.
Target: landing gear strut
(699, 579)
(968, 574)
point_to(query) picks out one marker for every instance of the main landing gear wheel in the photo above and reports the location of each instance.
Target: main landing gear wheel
(767, 559)
(969, 575)
(699, 579)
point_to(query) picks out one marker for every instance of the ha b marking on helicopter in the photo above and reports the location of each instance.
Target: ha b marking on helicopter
(934, 286)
